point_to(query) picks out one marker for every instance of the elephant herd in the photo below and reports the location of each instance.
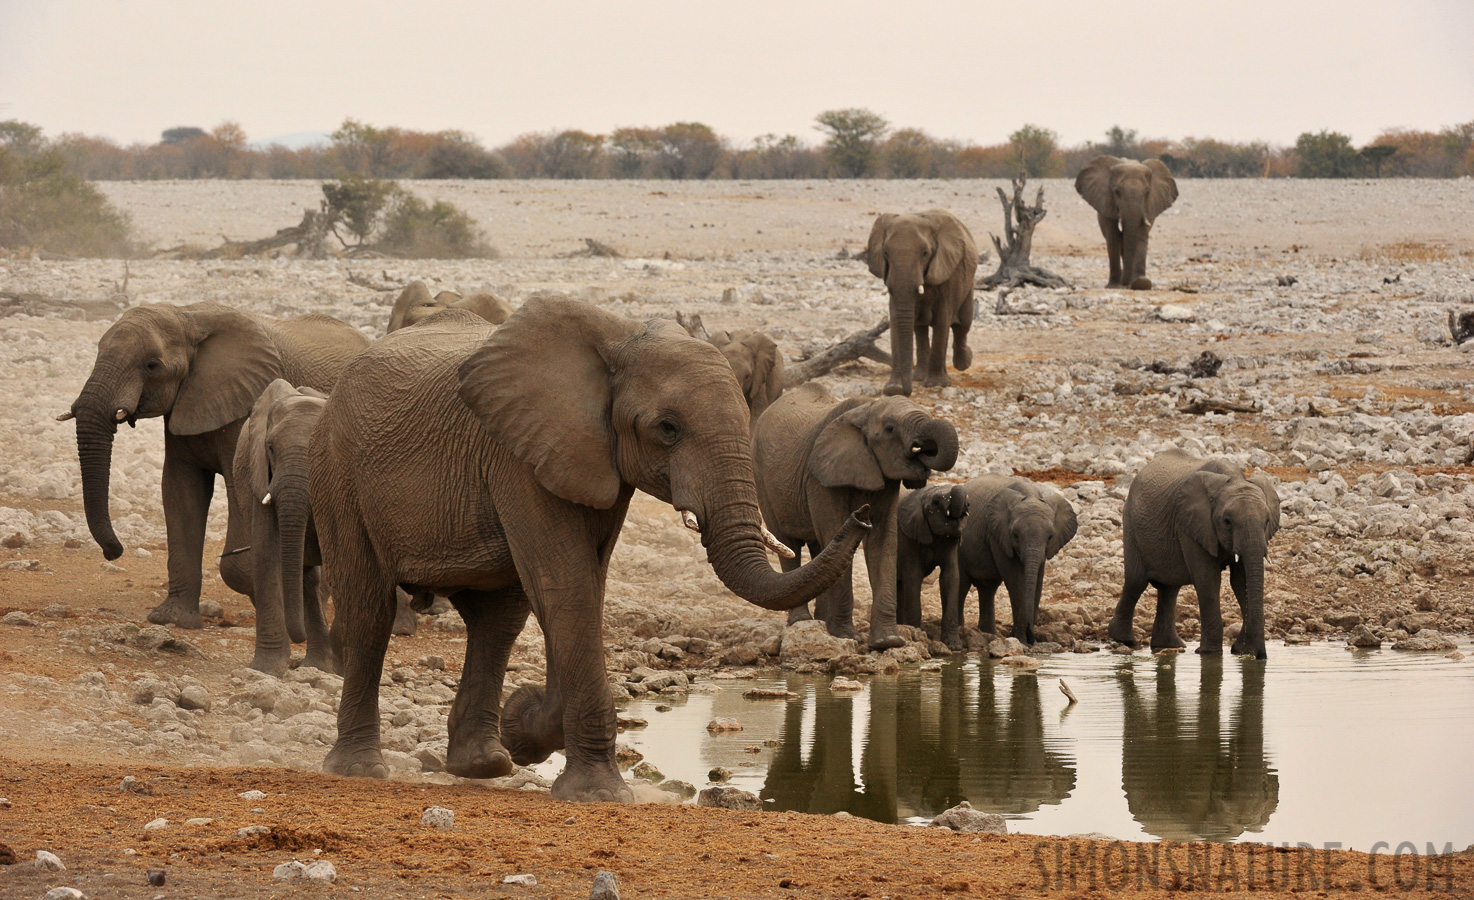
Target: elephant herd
(488, 457)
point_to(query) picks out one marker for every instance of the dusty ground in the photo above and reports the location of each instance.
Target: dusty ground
(1364, 414)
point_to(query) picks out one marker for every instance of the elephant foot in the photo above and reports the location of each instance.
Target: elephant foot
(1121, 632)
(406, 623)
(272, 661)
(954, 641)
(355, 761)
(937, 381)
(1246, 648)
(799, 614)
(961, 357)
(600, 783)
(894, 388)
(183, 613)
(1208, 647)
(843, 630)
(885, 638)
(520, 737)
(322, 660)
(1168, 642)
(440, 606)
(483, 757)
(1142, 284)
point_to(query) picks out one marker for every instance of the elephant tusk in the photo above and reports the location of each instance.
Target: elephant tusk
(1147, 222)
(915, 449)
(235, 551)
(776, 545)
(266, 501)
(688, 519)
(120, 415)
(65, 417)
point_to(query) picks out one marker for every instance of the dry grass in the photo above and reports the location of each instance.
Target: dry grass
(1407, 252)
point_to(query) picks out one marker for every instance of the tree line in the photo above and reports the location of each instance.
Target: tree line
(856, 143)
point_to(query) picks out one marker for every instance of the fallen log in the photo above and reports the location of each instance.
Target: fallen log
(1202, 405)
(306, 235)
(860, 345)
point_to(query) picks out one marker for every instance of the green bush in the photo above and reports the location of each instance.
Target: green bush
(414, 229)
(1328, 154)
(355, 204)
(45, 206)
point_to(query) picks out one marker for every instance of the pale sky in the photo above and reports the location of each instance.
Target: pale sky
(966, 69)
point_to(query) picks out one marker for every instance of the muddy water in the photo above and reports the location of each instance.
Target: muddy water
(1318, 744)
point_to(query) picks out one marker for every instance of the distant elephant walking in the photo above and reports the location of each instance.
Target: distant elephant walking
(758, 364)
(1014, 526)
(201, 367)
(1186, 520)
(818, 458)
(1127, 196)
(928, 262)
(929, 526)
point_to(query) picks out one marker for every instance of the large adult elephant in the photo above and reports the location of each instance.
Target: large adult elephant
(508, 457)
(818, 458)
(201, 367)
(1186, 520)
(928, 261)
(1127, 196)
(415, 304)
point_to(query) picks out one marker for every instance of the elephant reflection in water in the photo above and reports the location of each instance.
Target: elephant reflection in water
(1183, 779)
(927, 747)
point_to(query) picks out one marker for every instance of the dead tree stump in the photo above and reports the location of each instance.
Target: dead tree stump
(1019, 220)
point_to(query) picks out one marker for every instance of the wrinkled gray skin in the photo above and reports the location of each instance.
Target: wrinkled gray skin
(1186, 520)
(758, 364)
(201, 367)
(1127, 196)
(817, 459)
(929, 527)
(271, 483)
(928, 262)
(414, 304)
(1015, 526)
(509, 456)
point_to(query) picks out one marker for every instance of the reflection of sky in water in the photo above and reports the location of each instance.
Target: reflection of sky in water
(1318, 744)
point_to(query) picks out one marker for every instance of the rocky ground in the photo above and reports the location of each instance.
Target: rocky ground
(1326, 303)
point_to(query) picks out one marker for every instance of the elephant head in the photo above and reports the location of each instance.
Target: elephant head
(596, 402)
(275, 442)
(1131, 195)
(758, 364)
(200, 366)
(887, 439)
(415, 304)
(936, 512)
(908, 252)
(1232, 519)
(1030, 525)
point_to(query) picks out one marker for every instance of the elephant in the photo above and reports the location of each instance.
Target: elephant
(1127, 196)
(817, 458)
(758, 364)
(929, 526)
(271, 483)
(928, 262)
(415, 304)
(1014, 528)
(509, 455)
(1187, 519)
(201, 367)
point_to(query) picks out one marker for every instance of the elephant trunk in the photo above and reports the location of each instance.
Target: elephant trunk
(293, 512)
(905, 292)
(96, 412)
(1027, 611)
(731, 530)
(1252, 639)
(936, 443)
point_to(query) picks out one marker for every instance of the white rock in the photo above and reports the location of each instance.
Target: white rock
(47, 861)
(156, 824)
(252, 795)
(1176, 312)
(252, 831)
(321, 872)
(520, 879)
(438, 816)
(64, 893)
(289, 871)
(964, 818)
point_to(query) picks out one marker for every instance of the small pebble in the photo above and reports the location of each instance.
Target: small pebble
(252, 795)
(520, 879)
(252, 831)
(156, 824)
(438, 816)
(195, 823)
(64, 893)
(606, 887)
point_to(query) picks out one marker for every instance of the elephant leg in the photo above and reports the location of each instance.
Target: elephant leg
(1112, 231)
(187, 490)
(953, 600)
(987, 613)
(1164, 626)
(493, 621)
(1121, 629)
(909, 574)
(1210, 613)
(936, 367)
(923, 341)
(237, 569)
(836, 609)
(947, 586)
(801, 612)
(406, 623)
(319, 648)
(880, 561)
(1251, 634)
(365, 601)
(961, 322)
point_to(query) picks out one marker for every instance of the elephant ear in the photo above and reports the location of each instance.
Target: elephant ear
(1164, 189)
(1271, 501)
(1000, 521)
(767, 372)
(1195, 504)
(875, 248)
(911, 518)
(1065, 524)
(416, 293)
(541, 386)
(1094, 184)
(954, 244)
(235, 358)
(842, 458)
(258, 427)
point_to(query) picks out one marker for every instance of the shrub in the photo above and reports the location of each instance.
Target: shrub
(413, 229)
(1036, 151)
(853, 139)
(45, 206)
(354, 203)
(1328, 154)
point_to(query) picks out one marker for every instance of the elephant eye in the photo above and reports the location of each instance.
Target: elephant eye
(153, 365)
(668, 430)
(890, 429)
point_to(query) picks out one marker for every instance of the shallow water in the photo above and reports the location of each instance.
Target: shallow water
(1318, 744)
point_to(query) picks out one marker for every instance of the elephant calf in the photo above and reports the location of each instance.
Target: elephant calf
(1015, 526)
(817, 459)
(758, 364)
(929, 526)
(1127, 196)
(415, 304)
(1187, 519)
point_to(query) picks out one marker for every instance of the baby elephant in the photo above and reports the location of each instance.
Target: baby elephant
(929, 525)
(1015, 526)
(758, 364)
(1186, 520)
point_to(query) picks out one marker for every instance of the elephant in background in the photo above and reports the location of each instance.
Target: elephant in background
(1187, 519)
(817, 459)
(928, 262)
(1015, 527)
(414, 304)
(201, 367)
(509, 455)
(929, 525)
(1127, 196)
(271, 483)
(758, 364)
